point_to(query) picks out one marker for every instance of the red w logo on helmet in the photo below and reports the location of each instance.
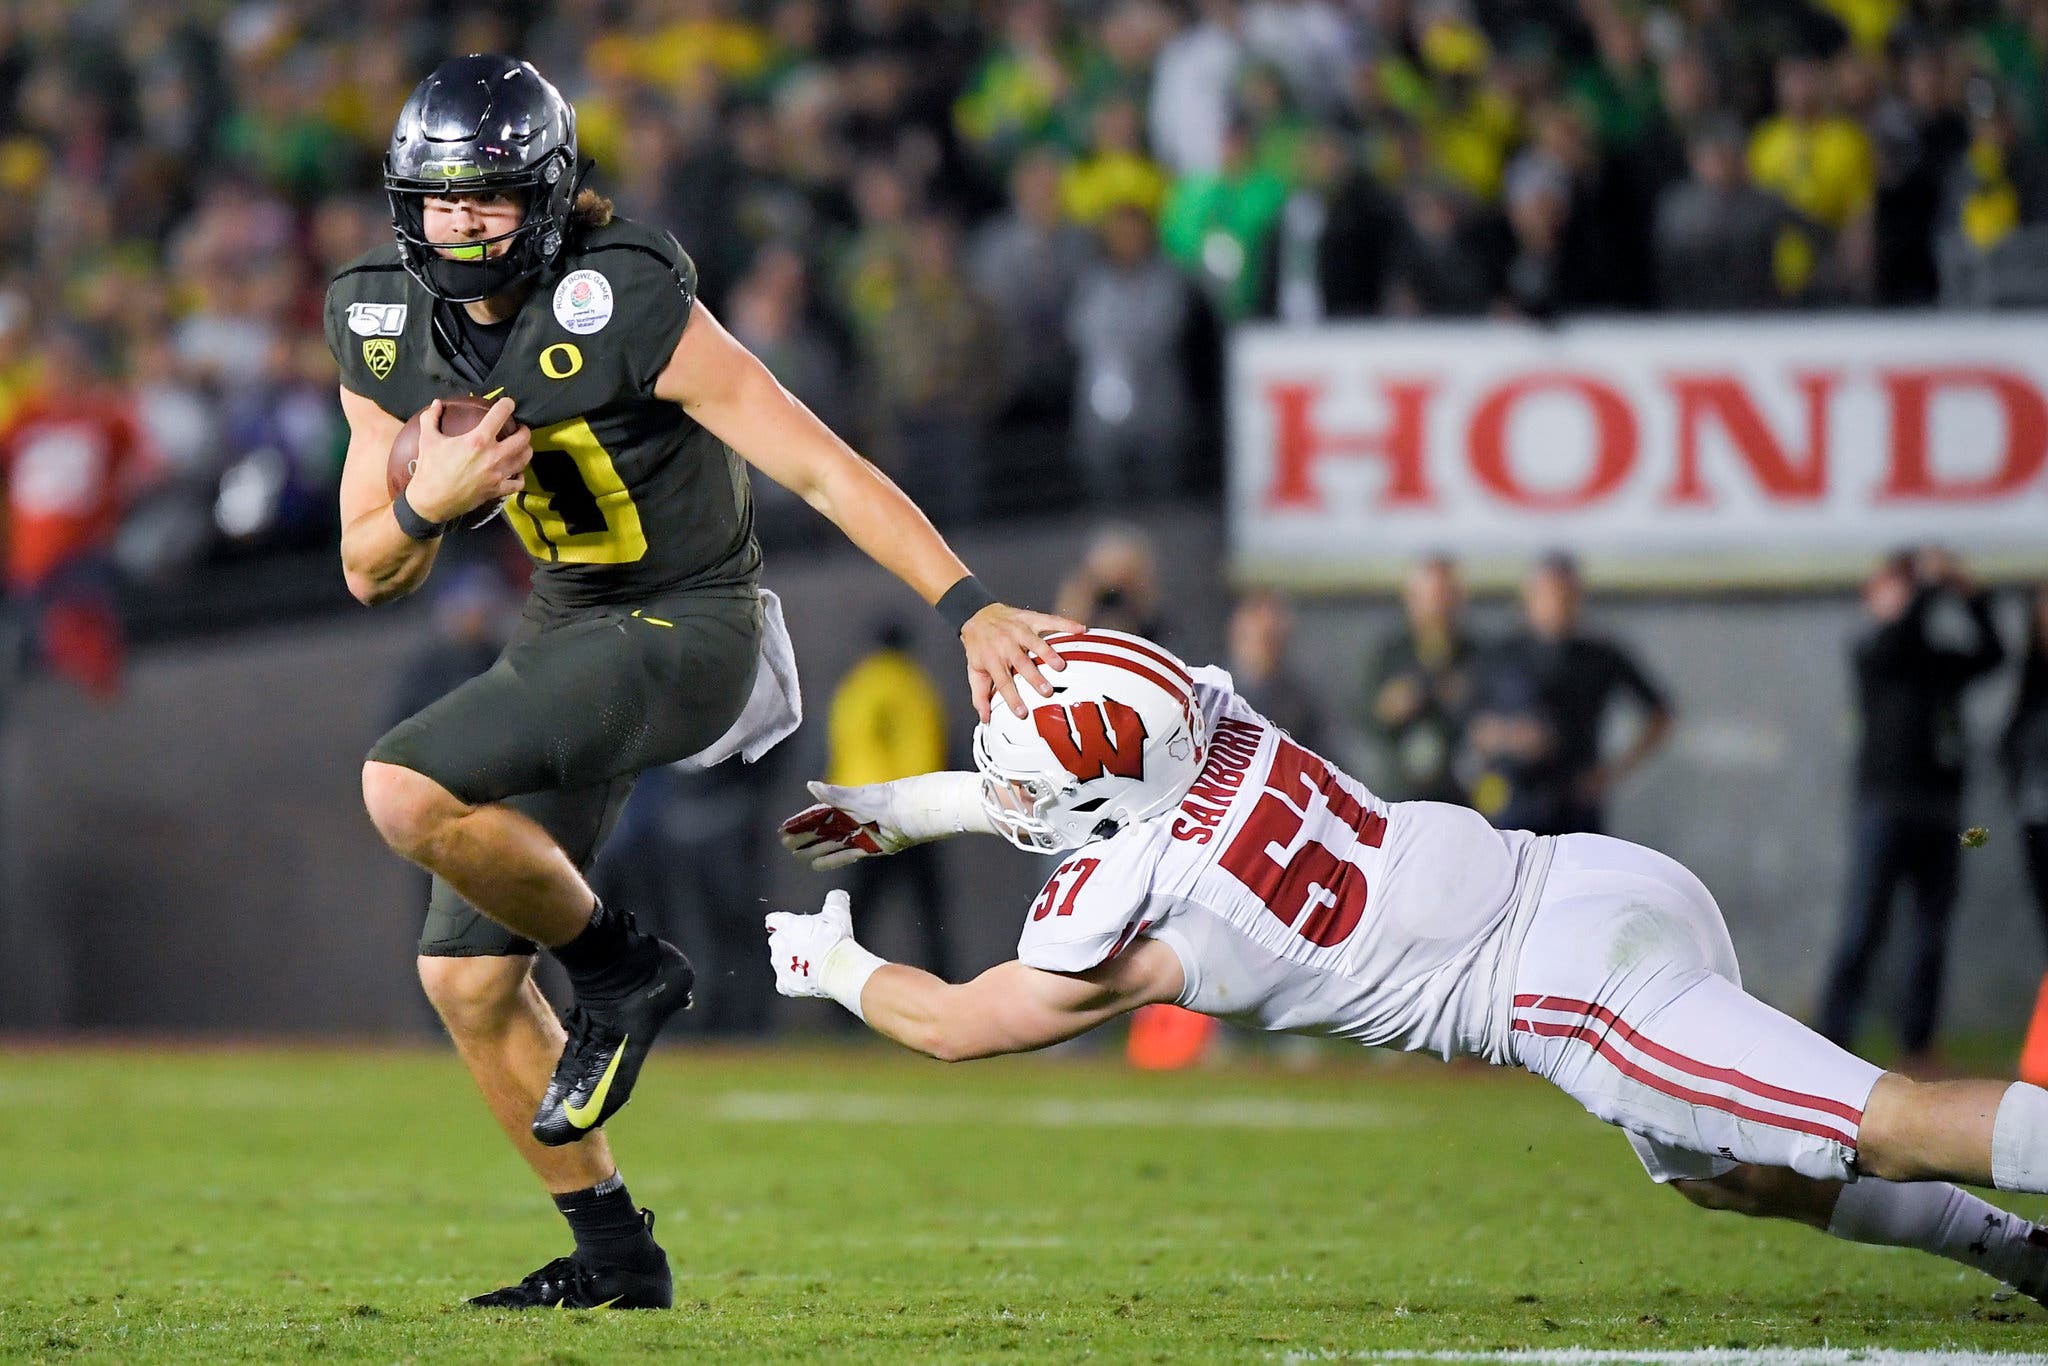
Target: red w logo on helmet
(1079, 737)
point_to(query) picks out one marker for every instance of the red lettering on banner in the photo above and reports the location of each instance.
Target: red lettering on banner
(1778, 473)
(1614, 454)
(1298, 443)
(1911, 392)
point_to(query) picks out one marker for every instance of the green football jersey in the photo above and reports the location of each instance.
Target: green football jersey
(627, 497)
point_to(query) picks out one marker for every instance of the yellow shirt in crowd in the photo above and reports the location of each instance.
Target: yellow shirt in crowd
(886, 723)
(1090, 189)
(1825, 169)
(1869, 22)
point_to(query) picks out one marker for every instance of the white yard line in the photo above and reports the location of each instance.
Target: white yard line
(1045, 1112)
(1703, 1356)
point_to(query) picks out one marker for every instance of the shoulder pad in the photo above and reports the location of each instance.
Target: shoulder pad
(369, 300)
(655, 283)
(634, 249)
(1091, 908)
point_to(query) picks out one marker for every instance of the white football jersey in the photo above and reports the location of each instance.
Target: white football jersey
(1297, 900)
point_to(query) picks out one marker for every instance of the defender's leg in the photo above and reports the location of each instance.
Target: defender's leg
(1628, 998)
(1929, 1216)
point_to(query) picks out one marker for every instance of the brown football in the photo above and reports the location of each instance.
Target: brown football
(458, 415)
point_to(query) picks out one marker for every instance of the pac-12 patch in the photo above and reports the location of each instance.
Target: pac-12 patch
(583, 302)
(380, 354)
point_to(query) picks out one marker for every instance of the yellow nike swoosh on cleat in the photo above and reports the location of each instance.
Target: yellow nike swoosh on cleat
(563, 1305)
(586, 1115)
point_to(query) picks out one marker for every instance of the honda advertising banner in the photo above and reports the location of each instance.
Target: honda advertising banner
(1670, 454)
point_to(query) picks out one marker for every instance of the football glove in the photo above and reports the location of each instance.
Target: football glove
(799, 944)
(853, 823)
(845, 826)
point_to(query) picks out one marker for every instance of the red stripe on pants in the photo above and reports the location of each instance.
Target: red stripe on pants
(1628, 1067)
(1728, 1076)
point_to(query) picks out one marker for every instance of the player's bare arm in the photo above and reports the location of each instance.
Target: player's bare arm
(726, 389)
(1011, 1008)
(456, 474)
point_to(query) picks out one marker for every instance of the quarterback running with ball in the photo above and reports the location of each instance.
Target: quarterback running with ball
(1209, 860)
(624, 421)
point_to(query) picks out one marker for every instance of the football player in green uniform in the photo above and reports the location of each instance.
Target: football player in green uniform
(646, 640)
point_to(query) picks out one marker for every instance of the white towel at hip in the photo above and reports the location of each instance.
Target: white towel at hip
(774, 709)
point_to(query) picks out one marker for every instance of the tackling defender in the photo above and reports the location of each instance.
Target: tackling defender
(1213, 862)
(647, 639)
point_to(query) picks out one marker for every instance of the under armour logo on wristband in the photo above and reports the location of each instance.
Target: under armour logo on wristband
(801, 967)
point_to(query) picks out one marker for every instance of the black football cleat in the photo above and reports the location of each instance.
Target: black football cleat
(607, 1043)
(567, 1283)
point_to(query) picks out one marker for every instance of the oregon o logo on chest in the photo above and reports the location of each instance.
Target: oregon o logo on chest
(561, 360)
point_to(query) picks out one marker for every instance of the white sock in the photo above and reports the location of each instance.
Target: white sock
(2019, 1140)
(1936, 1217)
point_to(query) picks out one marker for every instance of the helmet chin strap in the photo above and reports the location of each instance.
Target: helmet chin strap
(474, 280)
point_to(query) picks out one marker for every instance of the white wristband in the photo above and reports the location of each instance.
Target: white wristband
(933, 805)
(844, 974)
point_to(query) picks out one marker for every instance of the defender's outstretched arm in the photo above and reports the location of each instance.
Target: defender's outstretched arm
(1010, 1008)
(852, 823)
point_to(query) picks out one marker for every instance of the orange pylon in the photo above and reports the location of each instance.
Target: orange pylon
(2034, 1056)
(1165, 1038)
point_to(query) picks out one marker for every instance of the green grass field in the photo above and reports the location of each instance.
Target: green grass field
(864, 1206)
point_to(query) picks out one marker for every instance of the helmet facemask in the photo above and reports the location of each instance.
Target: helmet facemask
(530, 248)
(483, 123)
(1020, 805)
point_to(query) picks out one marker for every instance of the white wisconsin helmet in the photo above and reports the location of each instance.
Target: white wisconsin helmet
(1121, 738)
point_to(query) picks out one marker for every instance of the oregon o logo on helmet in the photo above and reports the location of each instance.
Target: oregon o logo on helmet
(1079, 737)
(583, 302)
(561, 360)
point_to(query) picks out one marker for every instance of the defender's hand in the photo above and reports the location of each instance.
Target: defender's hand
(797, 944)
(458, 473)
(1005, 643)
(848, 824)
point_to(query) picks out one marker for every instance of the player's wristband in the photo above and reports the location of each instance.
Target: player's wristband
(410, 521)
(844, 974)
(931, 806)
(960, 602)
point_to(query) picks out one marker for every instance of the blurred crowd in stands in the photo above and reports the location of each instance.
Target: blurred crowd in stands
(997, 242)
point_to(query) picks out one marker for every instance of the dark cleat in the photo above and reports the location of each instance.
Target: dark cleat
(566, 1283)
(608, 1041)
(2034, 1284)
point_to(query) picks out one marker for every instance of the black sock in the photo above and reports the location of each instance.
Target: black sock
(604, 959)
(608, 1230)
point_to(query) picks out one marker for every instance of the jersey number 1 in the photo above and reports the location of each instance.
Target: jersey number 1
(575, 509)
(1301, 880)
